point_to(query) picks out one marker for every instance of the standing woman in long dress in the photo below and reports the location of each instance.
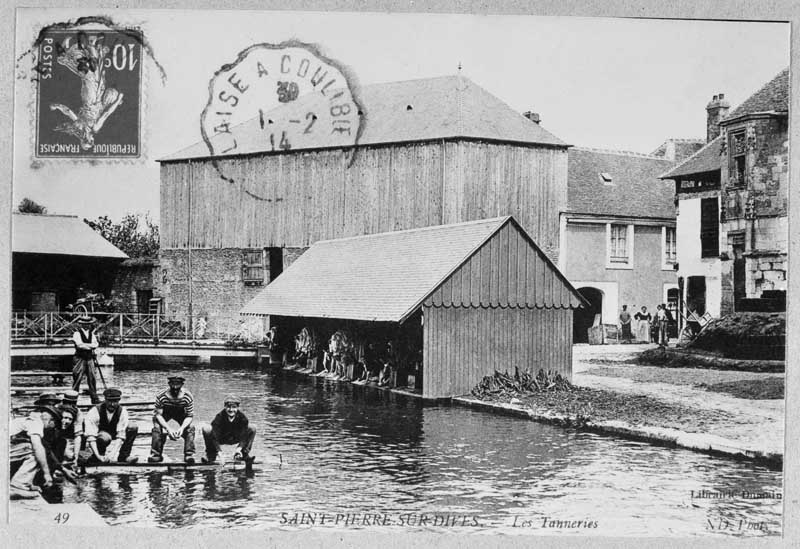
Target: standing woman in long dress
(643, 326)
(625, 324)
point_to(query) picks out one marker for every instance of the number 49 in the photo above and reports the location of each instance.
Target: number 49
(62, 518)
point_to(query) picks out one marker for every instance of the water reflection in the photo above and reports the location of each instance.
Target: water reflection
(337, 449)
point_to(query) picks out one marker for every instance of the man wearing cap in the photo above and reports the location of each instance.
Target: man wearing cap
(84, 362)
(28, 454)
(109, 434)
(230, 426)
(174, 403)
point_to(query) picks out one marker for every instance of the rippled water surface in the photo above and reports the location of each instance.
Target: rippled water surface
(330, 448)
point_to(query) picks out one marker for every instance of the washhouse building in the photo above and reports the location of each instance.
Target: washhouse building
(464, 299)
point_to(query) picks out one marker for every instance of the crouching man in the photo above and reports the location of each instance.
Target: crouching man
(230, 426)
(176, 404)
(28, 453)
(109, 434)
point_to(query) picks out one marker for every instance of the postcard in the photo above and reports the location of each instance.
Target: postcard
(330, 272)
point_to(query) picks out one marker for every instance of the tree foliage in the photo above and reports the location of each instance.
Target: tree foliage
(29, 206)
(136, 235)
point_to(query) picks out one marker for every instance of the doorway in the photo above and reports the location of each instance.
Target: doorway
(696, 295)
(583, 318)
(739, 269)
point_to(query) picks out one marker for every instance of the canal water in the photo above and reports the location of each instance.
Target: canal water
(331, 449)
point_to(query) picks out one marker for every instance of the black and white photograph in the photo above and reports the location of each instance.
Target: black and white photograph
(455, 274)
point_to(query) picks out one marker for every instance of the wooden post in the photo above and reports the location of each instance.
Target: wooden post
(121, 338)
(189, 247)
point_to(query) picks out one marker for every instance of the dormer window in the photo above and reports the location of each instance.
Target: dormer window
(606, 178)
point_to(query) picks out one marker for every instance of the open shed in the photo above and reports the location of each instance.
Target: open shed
(483, 294)
(55, 259)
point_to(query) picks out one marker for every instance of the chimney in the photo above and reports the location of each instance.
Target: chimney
(532, 116)
(717, 109)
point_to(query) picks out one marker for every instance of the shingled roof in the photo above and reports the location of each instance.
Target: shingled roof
(386, 277)
(706, 159)
(773, 97)
(414, 110)
(59, 235)
(634, 189)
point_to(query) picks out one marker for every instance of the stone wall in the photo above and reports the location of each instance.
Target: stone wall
(764, 273)
(759, 210)
(132, 275)
(218, 288)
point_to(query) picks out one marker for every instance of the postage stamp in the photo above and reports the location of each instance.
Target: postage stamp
(88, 103)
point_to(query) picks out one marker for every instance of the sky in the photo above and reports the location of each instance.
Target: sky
(624, 84)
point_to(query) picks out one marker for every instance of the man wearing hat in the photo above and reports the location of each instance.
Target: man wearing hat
(174, 403)
(28, 454)
(230, 426)
(108, 432)
(84, 362)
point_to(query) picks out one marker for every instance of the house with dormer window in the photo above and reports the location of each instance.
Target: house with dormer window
(618, 237)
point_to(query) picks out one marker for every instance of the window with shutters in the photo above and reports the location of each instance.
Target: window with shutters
(253, 267)
(709, 227)
(619, 246)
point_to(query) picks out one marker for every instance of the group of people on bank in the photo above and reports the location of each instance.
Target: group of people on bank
(366, 360)
(56, 438)
(645, 327)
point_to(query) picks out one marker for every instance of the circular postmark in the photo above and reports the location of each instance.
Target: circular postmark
(280, 97)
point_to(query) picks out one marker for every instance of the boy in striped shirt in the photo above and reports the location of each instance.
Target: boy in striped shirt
(175, 403)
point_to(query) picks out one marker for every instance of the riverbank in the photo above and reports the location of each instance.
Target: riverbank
(712, 411)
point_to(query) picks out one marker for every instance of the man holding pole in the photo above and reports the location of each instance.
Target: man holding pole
(84, 361)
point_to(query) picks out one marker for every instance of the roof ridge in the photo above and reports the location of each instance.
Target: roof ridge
(688, 158)
(686, 139)
(46, 214)
(419, 229)
(619, 152)
(734, 114)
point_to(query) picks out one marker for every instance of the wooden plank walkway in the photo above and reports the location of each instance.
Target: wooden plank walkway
(38, 373)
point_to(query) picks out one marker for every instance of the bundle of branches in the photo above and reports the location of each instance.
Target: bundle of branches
(501, 384)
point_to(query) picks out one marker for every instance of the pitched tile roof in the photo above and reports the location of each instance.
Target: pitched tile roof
(59, 234)
(440, 108)
(635, 189)
(381, 277)
(773, 97)
(706, 159)
(678, 149)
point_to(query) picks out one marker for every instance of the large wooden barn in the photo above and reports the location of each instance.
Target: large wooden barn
(433, 151)
(474, 297)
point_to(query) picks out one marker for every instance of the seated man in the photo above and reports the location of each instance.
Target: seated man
(229, 426)
(28, 453)
(109, 434)
(174, 403)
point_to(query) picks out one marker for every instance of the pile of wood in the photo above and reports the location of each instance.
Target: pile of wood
(502, 385)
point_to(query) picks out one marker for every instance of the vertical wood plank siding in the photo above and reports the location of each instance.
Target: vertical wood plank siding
(505, 306)
(464, 344)
(506, 272)
(297, 198)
